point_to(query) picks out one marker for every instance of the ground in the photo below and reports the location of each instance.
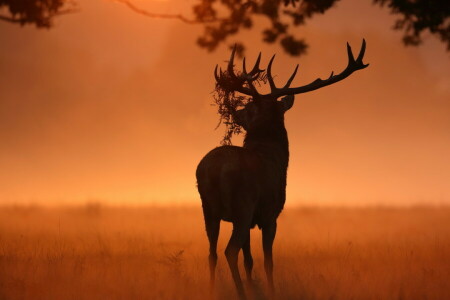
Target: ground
(101, 252)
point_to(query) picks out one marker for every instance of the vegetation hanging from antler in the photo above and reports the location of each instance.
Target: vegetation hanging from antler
(227, 102)
(228, 85)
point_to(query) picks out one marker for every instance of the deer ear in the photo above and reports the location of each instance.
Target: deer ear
(287, 101)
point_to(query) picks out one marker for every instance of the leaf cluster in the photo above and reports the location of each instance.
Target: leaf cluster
(416, 16)
(240, 14)
(38, 12)
(223, 19)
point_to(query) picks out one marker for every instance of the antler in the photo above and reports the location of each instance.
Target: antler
(352, 66)
(235, 82)
(230, 81)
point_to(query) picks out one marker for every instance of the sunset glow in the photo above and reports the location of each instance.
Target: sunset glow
(114, 107)
(117, 180)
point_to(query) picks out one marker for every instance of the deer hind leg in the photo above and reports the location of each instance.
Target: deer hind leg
(212, 230)
(268, 235)
(248, 259)
(239, 236)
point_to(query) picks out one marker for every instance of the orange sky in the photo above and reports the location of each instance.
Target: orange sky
(113, 106)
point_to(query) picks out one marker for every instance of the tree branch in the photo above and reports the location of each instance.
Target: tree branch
(12, 20)
(165, 16)
(39, 22)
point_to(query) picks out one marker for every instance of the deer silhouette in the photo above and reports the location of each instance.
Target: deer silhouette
(247, 185)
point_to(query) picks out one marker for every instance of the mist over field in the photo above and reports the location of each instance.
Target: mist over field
(102, 252)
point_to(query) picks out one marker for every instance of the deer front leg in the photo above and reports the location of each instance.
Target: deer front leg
(268, 235)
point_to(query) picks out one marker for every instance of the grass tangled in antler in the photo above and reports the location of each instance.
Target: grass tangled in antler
(228, 101)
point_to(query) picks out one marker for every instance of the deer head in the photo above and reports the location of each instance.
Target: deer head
(264, 107)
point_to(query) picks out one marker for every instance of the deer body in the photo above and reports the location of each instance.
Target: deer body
(251, 177)
(247, 185)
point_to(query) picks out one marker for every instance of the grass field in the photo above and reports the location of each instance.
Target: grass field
(97, 252)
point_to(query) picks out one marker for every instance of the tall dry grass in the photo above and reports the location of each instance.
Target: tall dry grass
(97, 252)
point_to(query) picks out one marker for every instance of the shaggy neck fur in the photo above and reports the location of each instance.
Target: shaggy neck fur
(271, 142)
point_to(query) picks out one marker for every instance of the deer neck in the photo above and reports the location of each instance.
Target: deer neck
(270, 142)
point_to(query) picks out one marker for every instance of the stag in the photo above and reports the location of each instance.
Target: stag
(247, 185)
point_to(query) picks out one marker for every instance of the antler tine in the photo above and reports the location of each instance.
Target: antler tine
(351, 59)
(288, 83)
(216, 75)
(254, 73)
(230, 68)
(256, 69)
(358, 62)
(249, 78)
(244, 69)
(273, 88)
(361, 53)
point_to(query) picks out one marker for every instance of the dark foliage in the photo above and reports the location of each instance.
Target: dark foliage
(240, 14)
(416, 17)
(41, 13)
(225, 18)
